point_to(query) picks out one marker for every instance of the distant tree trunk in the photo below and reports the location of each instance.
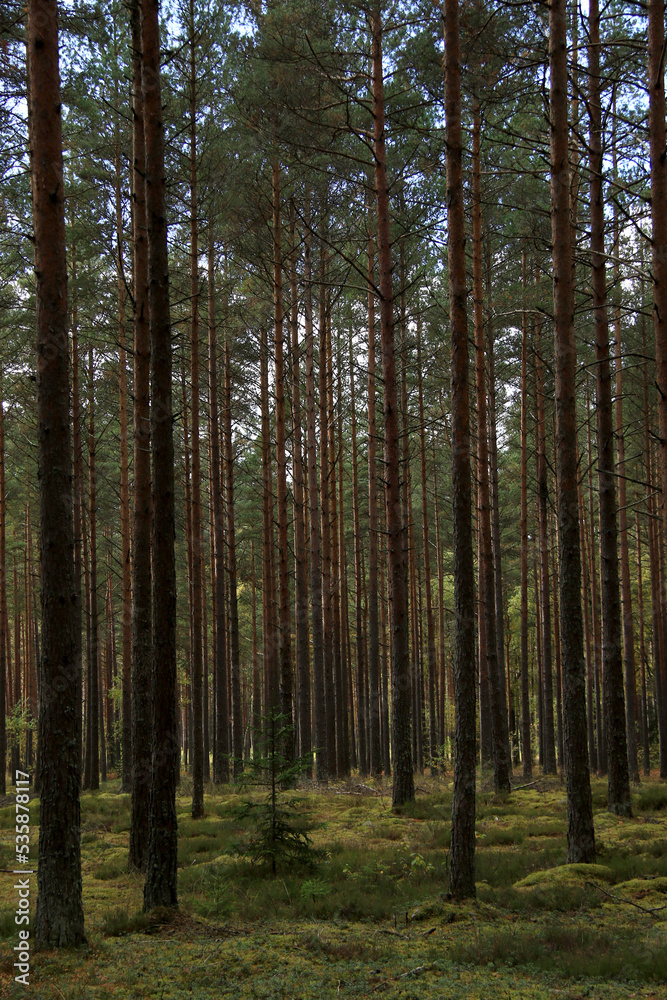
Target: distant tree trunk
(325, 508)
(269, 625)
(401, 721)
(642, 657)
(344, 625)
(590, 662)
(658, 139)
(235, 664)
(430, 624)
(126, 567)
(77, 493)
(319, 708)
(462, 852)
(221, 713)
(142, 715)
(595, 609)
(285, 619)
(93, 666)
(162, 857)
(581, 835)
(358, 590)
(300, 553)
(526, 750)
(549, 759)
(375, 761)
(626, 590)
(335, 560)
(59, 915)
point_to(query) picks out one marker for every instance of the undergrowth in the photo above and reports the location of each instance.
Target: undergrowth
(372, 914)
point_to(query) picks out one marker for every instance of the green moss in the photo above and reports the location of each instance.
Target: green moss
(566, 875)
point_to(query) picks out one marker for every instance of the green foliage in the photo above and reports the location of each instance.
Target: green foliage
(279, 826)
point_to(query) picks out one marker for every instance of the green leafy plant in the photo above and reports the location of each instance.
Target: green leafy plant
(279, 826)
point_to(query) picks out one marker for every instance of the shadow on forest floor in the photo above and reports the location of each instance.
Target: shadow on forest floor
(372, 918)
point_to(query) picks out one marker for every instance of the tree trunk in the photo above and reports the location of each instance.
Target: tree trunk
(581, 835)
(4, 700)
(358, 590)
(502, 762)
(300, 553)
(526, 749)
(401, 721)
(221, 712)
(618, 789)
(196, 664)
(59, 915)
(375, 755)
(462, 852)
(162, 857)
(658, 139)
(319, 708)
(93, 655)
(269, 630)
(548, 761)
(285, 620)
(234, 656)
(142, 714)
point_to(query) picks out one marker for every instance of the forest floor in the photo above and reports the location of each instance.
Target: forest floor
(372, 919)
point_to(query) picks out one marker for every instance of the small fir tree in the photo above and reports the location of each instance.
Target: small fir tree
(280, 828)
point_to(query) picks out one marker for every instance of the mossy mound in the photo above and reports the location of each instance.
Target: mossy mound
(643, 886)
(565, 875)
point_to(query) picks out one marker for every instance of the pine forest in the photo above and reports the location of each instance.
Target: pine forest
(333, 456)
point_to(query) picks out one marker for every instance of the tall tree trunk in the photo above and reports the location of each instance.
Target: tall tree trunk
(325, 506)
(580, 835)
(462, 852)
(626, 591)
(595, 608)
(269, 625)
(162, 856)
(4, 700)
(221, 712)
(126, 567)
(59, 915)
(618, 789)
(526, 749)
(142, 715)
(77, 493)
(93, 654)
(502, 762)
(658, 140)
(335, 560)
(284, 613)
(375, 755)
(300, 553)
(642, 657)
(503, 665)
(319, 708)
(234, 656)
(358, 591)
(549, 759)
(403, 779)
(196, 664)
